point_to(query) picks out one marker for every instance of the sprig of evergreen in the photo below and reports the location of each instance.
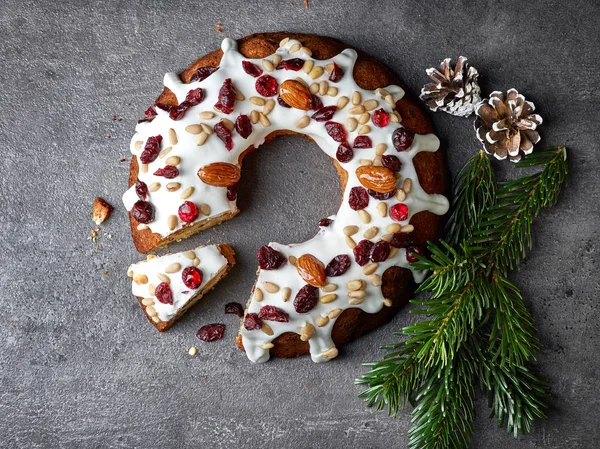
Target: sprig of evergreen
(478, 327)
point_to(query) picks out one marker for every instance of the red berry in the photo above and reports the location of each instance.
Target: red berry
(380, 118)
(266, 86)
(252, 69)
(188, 212)
(338, 265)
(252, 322)
(224, 134)
(151, 149)
(234, 308)
(294, 64)
(336, 131)
(402, 139)
(392, 162)
(179, 111)
(344, 153)
(195, 96)
(211, 332)
(269, 258)
(191, 277)
(141, 189)
(380, 251)
(306, 299)
(272, 313)
(202, 73)
(358, 198)
(381, 196)
(336, 74)
(399, 212)
(362, 252)
(282, 103)
(315, 103)
(143, 211)
(168, 171)
(324, 114)
(243, 126)
(232, 192)
(226, 97)
(362, 142)
(163, 293)
(410, 253)
(401, 240)
(324, 222)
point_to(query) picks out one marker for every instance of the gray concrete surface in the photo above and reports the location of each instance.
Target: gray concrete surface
(79, 365)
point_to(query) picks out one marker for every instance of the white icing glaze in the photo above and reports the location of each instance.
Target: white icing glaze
(330, 241)
(211, 262)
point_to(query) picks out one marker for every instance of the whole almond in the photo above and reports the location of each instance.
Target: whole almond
(220, 174)
(311, 270)
(379, 179)
(295, 94)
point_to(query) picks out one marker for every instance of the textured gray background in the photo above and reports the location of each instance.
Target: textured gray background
(79, 365)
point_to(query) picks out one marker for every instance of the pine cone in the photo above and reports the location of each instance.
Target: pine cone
(506, 125)
(453, 91)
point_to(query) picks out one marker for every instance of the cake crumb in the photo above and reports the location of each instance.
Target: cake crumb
(306, 3)
(101, 211)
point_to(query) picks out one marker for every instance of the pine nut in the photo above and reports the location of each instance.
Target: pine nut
(267, 346)
(316, 72)
(395, 117)
(201, 139)
(258, 294)
(356, 301)
(292, 260)
(365, 162)
(350, 230)
(308, 65)
(382, 92)
(380, 149)
(329, 68)
(152, 289)
(286, 292)
(370, 104)
(142, 226)
(303, 122)
(254, 117)
(322, 320)
(258, 101)
(144, 168)
(332, 91)
(228, 123)
(306, 50)
(387, 302)
(393, 228)
(371, 232)
(407, 185)
(387, 237)
(308, 330)
(408, 228)
(187, 192)
(365, 129)
(294, 48)
(173, 268)
(314, 88)
(156, 319)
(356, 110)
(138, 144)
(140, 278)
(269, 105)
(355, 285)
(172, 221)
(350, 242)
(331, 353)
(376, 280)
(189, 255)
(364, 216)
(377, 161)
(371, 268)
(173, 160)
(390, 100)
(164, 152)
(207, 115)
(154, 187)
(326, 299)
(364, 118)
(207, 129)
(264, 121)
(163, 278)
(323, 87)
(342, 102)
(173, 186)
(329, 288)
(267, 65)
(276, 59)
(393, 251)
(382, 209)
(196, 262)
(239, 96)
(270, 287)
(351, 123)
(148, 301)
(204, 209)
(334, 314)
(150, 310)
(400, 195)
(356, 98)
(266, 329)
(172, 136)
(193, 129)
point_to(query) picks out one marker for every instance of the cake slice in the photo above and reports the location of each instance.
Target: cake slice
(169, 285)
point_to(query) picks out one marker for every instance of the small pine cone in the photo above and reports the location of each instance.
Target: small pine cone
(453, 91)
(506, 125)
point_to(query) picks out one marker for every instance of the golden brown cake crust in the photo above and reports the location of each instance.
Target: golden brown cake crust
(369, 74)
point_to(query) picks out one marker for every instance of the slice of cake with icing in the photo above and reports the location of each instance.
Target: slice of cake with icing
(355, 273)
(167, 286)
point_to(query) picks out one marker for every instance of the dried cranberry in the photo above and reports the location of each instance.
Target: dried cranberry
(224, 134)
(168, 171)
(294, 64)
(141, 189)
(315, 103)
(282, 103)
(344, 153)
(338, 265)
(252, 69)
(243, 126)
(226, 97)
(232, 192)
(410, 254)
(188, 212)
(324, 222)
(381, 196)
(234, 308)
(143, 211)
(324, 114)
(272, 313)
(336, 131)
(179, 111)
(380, 118)
(392, 162)
(195, 96)
(380, 251)
(266, 86)
(211, 332)
(306, 299)
(399, 212)
(358, 198)
(402, 139)
(336, 73)
(362, 252)
(163, 293)
(151, 149)
(191, 277)
(269, 258)
(401, 240)
(202, 73)
(363, 142)
(252, 322)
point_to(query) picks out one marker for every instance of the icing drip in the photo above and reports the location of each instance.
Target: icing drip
(330, 241)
